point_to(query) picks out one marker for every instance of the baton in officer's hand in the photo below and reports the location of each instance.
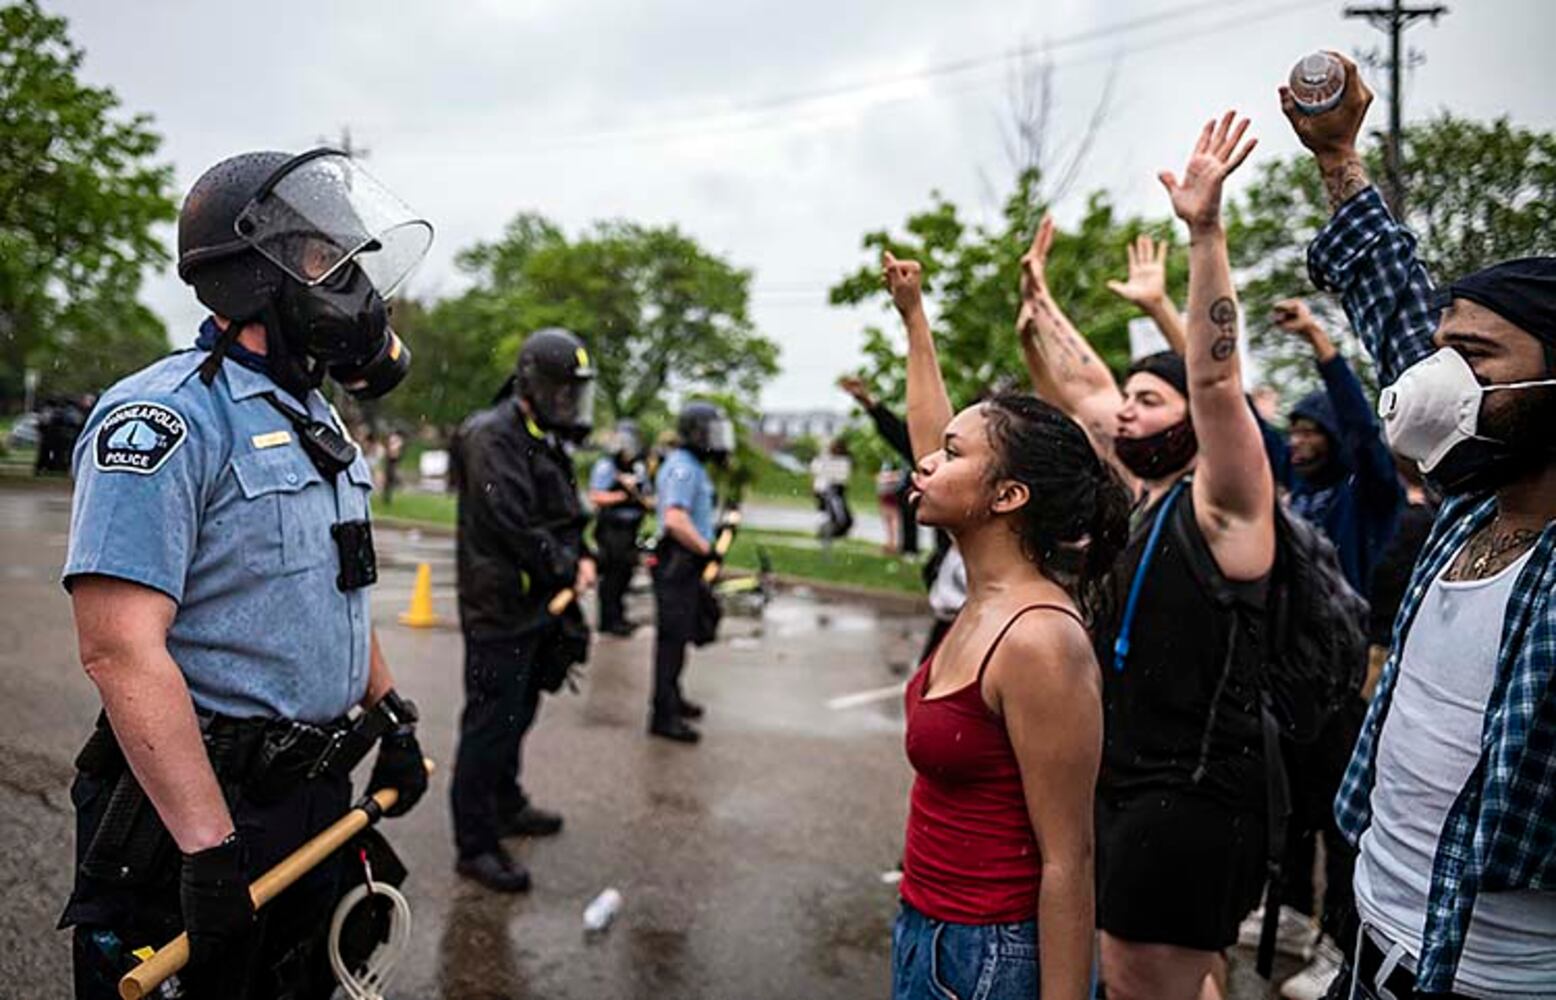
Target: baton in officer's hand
(726, 538)
(173, 956)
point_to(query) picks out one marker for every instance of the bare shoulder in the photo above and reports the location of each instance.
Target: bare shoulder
(1045, 653)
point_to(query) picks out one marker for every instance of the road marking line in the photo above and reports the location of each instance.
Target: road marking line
(865, 697)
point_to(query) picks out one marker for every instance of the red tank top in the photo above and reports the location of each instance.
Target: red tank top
(971, 856)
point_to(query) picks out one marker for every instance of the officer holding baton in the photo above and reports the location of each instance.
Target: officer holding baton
(220, 551)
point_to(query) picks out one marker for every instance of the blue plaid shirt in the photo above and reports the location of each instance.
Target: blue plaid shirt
(1500, 833)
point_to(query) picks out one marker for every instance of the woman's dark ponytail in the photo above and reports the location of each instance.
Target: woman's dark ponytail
(1076, 520)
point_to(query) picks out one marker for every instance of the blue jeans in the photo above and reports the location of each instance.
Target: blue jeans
(935, 960)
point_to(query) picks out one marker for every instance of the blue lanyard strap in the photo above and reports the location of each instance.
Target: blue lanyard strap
(1121, 644)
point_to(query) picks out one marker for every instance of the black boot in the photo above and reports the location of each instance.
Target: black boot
(690, 709)
(531, 822)
(674, 729)
(495, 870)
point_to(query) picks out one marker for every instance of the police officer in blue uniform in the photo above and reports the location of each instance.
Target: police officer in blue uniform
(687, 522)
(616, 489)
(520, 545)
(220, 550)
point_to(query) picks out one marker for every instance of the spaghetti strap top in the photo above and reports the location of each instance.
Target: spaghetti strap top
(971, 856)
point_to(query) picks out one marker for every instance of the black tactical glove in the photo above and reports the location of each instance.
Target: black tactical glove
(213, 893)
(400, 766)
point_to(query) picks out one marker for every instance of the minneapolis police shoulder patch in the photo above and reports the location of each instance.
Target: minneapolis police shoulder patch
(138, 437)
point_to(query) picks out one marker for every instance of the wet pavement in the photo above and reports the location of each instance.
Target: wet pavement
(751, 865)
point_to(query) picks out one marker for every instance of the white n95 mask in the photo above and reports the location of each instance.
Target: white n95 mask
(1431, 415)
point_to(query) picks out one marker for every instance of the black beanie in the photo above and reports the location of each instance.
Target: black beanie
(1167, 366)
(1521, 291)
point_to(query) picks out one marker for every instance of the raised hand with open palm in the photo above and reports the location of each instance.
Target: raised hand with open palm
(1146, 284)
(1196, 199)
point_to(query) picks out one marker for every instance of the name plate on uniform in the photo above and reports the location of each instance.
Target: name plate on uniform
(274, 439)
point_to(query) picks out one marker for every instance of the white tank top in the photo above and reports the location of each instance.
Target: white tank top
(1429, 745)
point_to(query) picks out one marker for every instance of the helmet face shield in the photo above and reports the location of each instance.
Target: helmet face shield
(565, 406)
(721, 437)
(322, 212)
(627, 441)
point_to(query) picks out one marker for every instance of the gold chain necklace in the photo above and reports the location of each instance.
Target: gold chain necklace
(1496, 547)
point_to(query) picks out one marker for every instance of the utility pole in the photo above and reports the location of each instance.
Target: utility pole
(1394, 19)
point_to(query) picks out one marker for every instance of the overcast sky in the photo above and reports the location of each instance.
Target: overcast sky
(706, 114)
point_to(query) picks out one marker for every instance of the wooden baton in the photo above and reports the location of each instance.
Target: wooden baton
(726, 538)
(173, 956)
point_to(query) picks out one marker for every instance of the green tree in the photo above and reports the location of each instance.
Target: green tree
(1480, 192)
(660, 314)
(454, 365)
(79, 199)
(971, 281)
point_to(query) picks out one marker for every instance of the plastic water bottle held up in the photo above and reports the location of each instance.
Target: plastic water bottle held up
(1317, 83)
(601, 911)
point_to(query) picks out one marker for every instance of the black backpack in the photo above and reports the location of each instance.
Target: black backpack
(1312, 635)
(1313, 647)
(1315, 631)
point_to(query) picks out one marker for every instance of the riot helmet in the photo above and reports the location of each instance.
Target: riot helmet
(556, 380)
(312, 247)
(705, 431)
(626, 443)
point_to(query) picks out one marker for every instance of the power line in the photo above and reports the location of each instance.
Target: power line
(696, 125)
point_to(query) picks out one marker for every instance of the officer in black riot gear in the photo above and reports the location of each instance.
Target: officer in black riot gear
(685, 497)
(219, 560)
(617, 488)
(520, 544)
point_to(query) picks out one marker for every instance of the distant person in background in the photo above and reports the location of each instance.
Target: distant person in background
(894, 431)
(616, 493)
(394, 448)
(887, 483)
(829, 474)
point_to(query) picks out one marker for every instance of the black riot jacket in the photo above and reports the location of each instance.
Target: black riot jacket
(520, 523)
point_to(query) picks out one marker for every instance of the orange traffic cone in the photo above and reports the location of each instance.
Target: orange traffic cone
(421, 614)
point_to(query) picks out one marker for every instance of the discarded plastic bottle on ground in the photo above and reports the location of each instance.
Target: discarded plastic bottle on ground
(602, 910)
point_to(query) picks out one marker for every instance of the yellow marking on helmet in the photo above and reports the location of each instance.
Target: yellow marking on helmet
(583, 358)
(394, 347)
(532, 427)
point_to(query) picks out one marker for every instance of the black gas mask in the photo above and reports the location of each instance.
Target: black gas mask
(341, 328)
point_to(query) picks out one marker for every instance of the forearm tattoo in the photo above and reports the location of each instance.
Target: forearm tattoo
(1345, 180)
(1223, 313)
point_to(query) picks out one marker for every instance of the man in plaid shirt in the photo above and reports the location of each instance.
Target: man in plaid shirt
(1451, 792)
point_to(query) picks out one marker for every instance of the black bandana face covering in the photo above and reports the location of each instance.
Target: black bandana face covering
(1161, 454)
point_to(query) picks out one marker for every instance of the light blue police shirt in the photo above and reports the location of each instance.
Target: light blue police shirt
(204, 493)
(602, 477)
(683, 482)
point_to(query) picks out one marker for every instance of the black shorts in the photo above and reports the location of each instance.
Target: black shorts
(1178, 867)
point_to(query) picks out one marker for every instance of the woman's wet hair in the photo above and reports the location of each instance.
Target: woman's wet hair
(1076, 519)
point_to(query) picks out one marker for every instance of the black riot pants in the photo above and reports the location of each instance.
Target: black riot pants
(617, 541)
(677, 576)
(502, 697)
(113, 916)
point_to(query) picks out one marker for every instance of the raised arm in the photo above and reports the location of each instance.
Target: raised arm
(1065, 369)
(892, 429)
(1234, 494)
(1363, 254)
(1146, 287)
(1360, 437)
(929, 407)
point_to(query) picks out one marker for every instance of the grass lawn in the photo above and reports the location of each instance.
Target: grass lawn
(793, 553)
